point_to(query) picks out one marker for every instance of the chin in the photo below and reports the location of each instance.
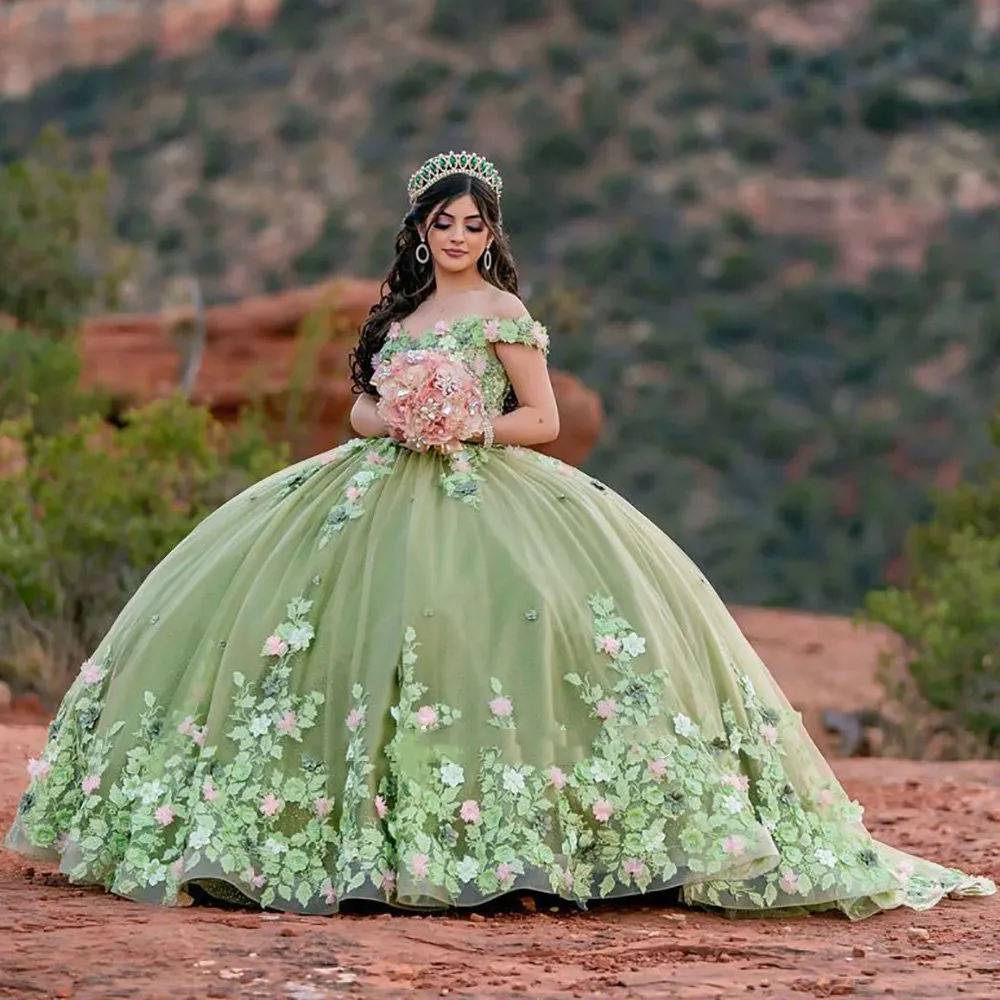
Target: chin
(456, 266)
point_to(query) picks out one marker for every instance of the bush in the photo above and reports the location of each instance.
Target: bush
(948, 613)
(89, 510)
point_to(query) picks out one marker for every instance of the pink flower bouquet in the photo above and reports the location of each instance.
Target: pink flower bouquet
(429, 398)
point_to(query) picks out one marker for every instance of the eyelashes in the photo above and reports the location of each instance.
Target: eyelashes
(447, 225)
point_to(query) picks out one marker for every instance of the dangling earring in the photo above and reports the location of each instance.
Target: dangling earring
(488, 259)
(423, 252)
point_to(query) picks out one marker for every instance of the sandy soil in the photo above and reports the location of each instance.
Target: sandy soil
(61, 941)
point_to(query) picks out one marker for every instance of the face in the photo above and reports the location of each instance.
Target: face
(458, 235)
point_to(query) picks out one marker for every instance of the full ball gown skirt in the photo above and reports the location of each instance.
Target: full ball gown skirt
(391, 676)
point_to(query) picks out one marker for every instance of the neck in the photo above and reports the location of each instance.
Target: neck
(448, 283)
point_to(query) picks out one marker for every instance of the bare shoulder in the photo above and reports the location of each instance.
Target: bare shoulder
(506, 305)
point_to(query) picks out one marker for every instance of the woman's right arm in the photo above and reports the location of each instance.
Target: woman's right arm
(365, 419)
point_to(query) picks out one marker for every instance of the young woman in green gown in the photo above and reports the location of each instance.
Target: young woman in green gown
(430, 678)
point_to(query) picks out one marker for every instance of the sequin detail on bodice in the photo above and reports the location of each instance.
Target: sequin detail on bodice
(469, 339)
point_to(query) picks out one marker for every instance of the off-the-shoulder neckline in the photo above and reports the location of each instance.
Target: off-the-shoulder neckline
(451, 323)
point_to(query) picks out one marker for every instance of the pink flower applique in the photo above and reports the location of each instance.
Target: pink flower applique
(275, 646)
(38, 769)
(90, 784)
(199, 737)
(420, 865)
(91, 672)
(329, 457)
(607, 708)
(177, 869)
(186, 726)
(380, 807)
(427, 717)
(558, 778)
(462, 465)
(611, 645)
(769, 734)
(539, 338)
(395, 329)
(789, 881)
(209, 792)
(734, 846)
(255, 881)
(441, 327)
(387, 881)
(287, 722)
(738, 781)
(502, 707)
(567, 879)
(355, 719)
(374, 458)
(491, 330)
(904, 870)
(164, 816)
(322, 807)
(353, 493)
(635, 868)
(470, 811)
(506, 875)
(329, 893)
(602, 810)
(658, 767)
(478, 366)
(826, 797)
(270, 804)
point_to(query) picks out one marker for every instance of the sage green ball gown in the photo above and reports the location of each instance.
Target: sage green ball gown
(393, 676)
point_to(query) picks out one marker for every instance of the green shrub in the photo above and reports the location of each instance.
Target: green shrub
(91, 511)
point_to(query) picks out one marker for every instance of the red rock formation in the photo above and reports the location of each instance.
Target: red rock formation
(263, 348)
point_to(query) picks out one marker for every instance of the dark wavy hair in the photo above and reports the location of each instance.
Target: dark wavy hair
(409, 282)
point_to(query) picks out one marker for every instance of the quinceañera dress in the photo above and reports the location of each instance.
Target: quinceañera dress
(428, 681)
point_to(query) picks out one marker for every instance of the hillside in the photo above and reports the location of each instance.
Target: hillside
(766, 232)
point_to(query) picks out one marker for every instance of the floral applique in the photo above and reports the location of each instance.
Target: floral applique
(462, 477)
(379, 459)
(501, 707)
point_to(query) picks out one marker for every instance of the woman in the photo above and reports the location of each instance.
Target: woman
(429, 677)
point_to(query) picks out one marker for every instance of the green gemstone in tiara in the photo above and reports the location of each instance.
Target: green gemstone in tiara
(445, 164)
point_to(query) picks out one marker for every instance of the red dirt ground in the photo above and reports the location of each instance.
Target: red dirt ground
(60, 941)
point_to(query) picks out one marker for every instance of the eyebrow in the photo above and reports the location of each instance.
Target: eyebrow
(442, 215)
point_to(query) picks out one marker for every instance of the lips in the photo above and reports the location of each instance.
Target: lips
(456, 253)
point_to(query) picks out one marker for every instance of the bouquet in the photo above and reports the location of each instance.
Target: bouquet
(429, 398)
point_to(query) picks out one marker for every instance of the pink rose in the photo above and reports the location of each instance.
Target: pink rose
(355, 719)
(91, 672)
(611, 645)
(789, 881)
(395, 329)
(558, 778)
(164, 815)
(607, 708)
(256, 881)
(658, 767)
(90, 784)
(374, 458)
(734, 846)
(287, 722)
(420, 865)
(38, 768)
(388, 881)
(635, 868)
(602, 810)
(770, 734)
(470, 811)
(478, 367)
(427, 717)
(270, 804)
(322, 807)
(199, 737)
(353, 493)
(209, 791)
(381, 808)
(501, 707)
(441, 327)
(826, 797)
(492, 331)
(329, 893)
(186, 726)
(506, 875)
(738, 781)
(462, 465)
(275, 646)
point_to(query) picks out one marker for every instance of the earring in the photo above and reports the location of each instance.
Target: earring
(488, 258)
(423, 252)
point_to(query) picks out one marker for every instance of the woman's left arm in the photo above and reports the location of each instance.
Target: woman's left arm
(536, 419)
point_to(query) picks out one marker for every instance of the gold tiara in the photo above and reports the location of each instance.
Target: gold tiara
(445, 164)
